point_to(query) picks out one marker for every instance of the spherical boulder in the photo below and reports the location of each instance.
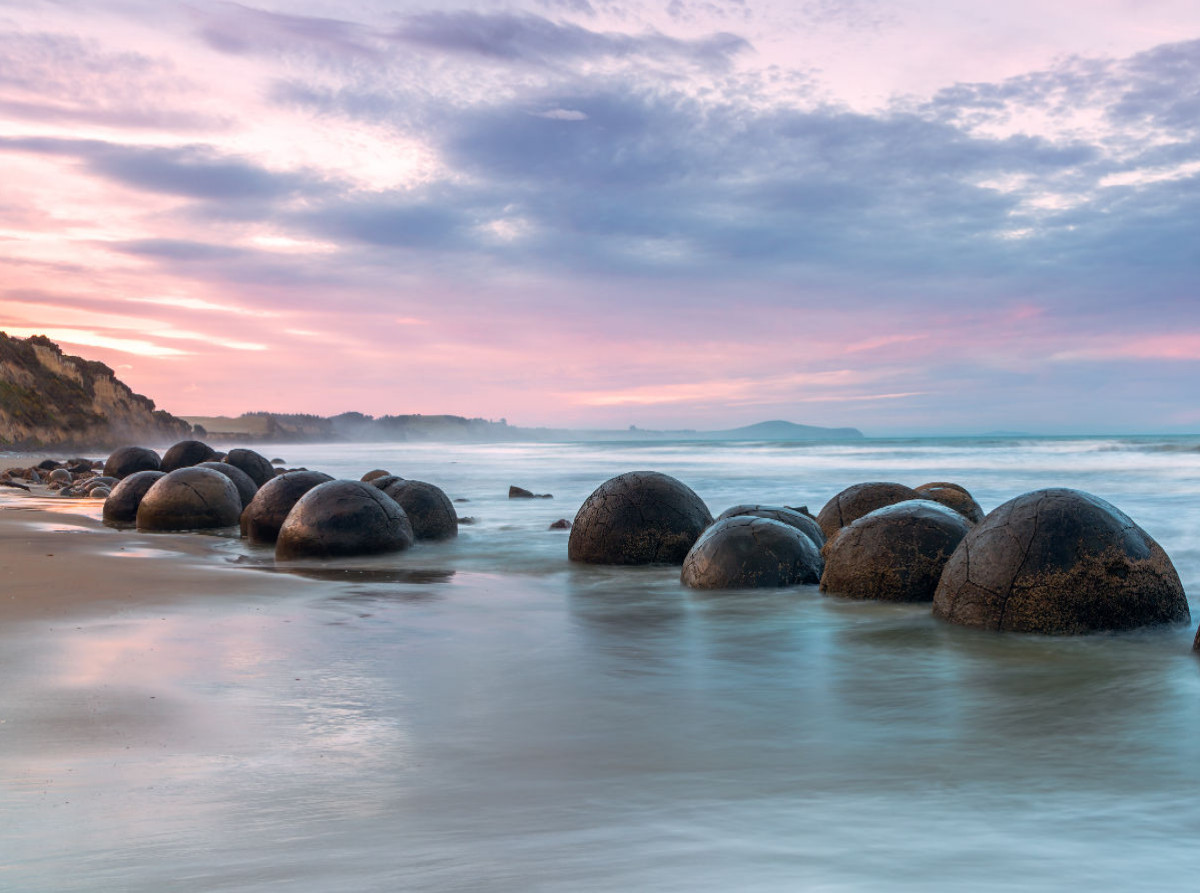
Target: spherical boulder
(952, 496)
(372, 475)
(125, 461)
(267, 511)
(858, 500)
(806, 524)
(187, 453)
(343, 518)
(189, 499)
(429, 509)
(750, 552)
(246, 488)
(1059, 561)
(640, 517)
(121, 506)
(256, 466)
(895, 553)
(59, 476)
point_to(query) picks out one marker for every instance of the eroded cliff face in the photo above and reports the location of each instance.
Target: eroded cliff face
(49, 399)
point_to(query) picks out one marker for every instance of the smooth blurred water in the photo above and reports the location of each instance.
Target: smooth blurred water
(484, 715)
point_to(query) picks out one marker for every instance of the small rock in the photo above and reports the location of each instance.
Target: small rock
(561, 524)
(522, 493)
(466, 520)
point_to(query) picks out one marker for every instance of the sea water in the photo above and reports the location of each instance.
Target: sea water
(484, 715)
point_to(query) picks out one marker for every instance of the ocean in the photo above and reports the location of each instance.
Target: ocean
(485, 715)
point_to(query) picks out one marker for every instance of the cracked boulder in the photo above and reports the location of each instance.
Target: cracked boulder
(953, 496)
(343, 518)
(246, 488)
(269, 508)
(750, 552)
(187, 453)
(895, 553)
(121, 504)
(256, 466)
(126, 460)
(805, 523)
(640, 517)
(858, 500)
(1059, 561)
(190, 499)
(429, 509)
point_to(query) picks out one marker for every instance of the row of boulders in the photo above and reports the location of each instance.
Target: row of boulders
(74, 477)
(1050, 561)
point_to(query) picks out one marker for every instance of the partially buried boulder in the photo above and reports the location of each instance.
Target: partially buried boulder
(895, 553)
(255, 465)
(1059, 561)
(953, 496)
(128, 459)
(246, 488)
(269, 508)
(640, 517)
(428, 508)
(805, 523)
(372, 475)
(189, 499)
(187, 453)
(343, 518)
(858, 500)
(748, 552)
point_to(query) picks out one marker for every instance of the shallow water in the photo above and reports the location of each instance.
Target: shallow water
(483, 715)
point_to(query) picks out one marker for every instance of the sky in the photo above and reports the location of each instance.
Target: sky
(905, 216)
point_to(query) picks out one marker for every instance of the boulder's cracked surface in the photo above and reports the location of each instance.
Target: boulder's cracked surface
(805, 523)
(750, 552)
(190, 499)
(953, 496)
(1059, 561)
(269, 508)
(895, 553)
(429, 509)
(640, 517)
(343, 518)
(858, 500)
(246, 488)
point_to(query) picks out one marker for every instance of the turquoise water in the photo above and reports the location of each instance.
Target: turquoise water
(483, 715)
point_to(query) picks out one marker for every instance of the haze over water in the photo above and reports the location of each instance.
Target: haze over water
(485, 715)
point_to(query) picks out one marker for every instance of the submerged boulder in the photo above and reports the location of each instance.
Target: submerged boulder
(802, 521)
(189, 499)
(858, 500)
(953, 496)
(895, 553)
(187, 453)
(1059, 561)
(269, 508)
(129, 459)
(429, 509)
(749, 552)
(121, 506)
(640, 517)
(343, 518)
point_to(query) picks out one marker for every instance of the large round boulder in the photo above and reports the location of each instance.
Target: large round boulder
(953, 496)
(640, 517)
(246, 488)
(858, 500)
(187, 453)
(806, 524)
(269, 508)
(1059, 561)
(895, 553)
(749, 552)
(343, 518)
(126, 460)
(429, 509)
(190, 499)
(121, 506)
(256, 466)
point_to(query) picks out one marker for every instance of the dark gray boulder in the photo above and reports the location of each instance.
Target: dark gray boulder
(343, 518)
(246, 488)
(802, 521)
(256, 466)
(126, 460)
(751, 552)
(187, 453)
(189, 499)
(895, 553)
(429, 509)
(384, 481)
(1059, 561)
(265, 514)
(640, 517)
(858, 500)
(953, 496)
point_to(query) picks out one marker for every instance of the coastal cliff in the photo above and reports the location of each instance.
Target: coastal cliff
(50, 399)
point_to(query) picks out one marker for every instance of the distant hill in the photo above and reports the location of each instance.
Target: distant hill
(778, 430)
(50, 399)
